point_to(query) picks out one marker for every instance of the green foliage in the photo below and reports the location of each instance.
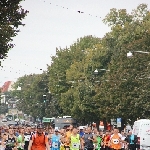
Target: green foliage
(117, 93)
(11, 18)
(128, 88)
(33, 87)
(77, 91)
(71, 76)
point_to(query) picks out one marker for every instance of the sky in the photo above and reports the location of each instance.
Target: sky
(56, 23)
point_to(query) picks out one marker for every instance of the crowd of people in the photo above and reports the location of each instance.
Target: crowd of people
(70, 138)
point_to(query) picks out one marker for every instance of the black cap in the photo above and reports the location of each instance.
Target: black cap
(40, 126)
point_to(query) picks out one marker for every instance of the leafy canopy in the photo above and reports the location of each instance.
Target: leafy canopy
(124, 91)
(11, 16)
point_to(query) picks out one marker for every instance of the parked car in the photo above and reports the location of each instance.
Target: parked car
(34, 124)
(4, 120)
(22, 121)
(13, 124)
(9, 119)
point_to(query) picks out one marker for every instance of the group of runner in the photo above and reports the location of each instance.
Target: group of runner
(70, 138)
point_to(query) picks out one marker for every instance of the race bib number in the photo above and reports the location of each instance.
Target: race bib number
(27, 138)
(75, 145)
(55, 145)
(115, 141)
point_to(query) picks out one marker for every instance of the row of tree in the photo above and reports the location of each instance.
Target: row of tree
(121, 86)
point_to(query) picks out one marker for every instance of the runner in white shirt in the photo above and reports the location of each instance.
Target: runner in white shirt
(124, 143)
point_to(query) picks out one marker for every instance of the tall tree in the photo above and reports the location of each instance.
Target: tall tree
(11, 18)
(30, 96)
(128, 88)
(64, 58)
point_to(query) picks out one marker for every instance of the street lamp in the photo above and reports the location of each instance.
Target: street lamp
(44, 98)
(96, 71)
(130, 54)
(18, 89)
(104, 70)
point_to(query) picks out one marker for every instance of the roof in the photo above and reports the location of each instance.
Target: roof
(6, 86)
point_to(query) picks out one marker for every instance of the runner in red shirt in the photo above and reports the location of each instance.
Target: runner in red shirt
(39, 141)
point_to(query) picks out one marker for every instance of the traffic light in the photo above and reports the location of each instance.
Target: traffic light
(44, 98)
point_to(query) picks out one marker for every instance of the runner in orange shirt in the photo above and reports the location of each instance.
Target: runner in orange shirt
(39, 141)
(115, 140)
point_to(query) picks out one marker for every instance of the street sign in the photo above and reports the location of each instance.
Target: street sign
(118, 122)
(46, 120)
(113, 122)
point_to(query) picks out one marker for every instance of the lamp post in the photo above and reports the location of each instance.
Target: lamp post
(96, 71)
(43, 106)
(104, 69)
(100, 72)
(19, 89)
(130, 54)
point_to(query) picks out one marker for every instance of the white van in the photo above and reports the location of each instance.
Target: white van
(141, 128)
